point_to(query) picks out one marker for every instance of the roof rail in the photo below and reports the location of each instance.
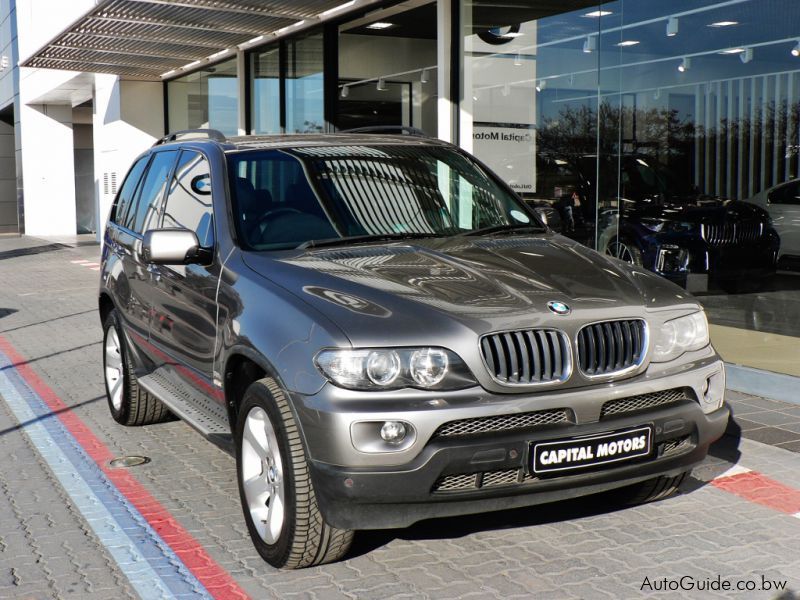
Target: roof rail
(403, 129)
(211, 134)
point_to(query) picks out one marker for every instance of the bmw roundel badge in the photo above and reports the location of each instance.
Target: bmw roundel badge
(559, 308)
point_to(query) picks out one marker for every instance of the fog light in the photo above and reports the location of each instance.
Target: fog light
(393, 432)
(714, 392)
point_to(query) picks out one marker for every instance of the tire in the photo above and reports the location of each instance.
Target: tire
(624, 250)
(650, 490)
(129, 404)
(270, 456)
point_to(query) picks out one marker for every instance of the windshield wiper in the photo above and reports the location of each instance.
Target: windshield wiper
(503, 228)
(364, 239)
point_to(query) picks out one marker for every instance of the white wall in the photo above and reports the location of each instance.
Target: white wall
(128, 119)
(39, 21)
(48, 169)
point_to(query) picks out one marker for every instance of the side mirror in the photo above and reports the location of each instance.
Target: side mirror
(171, 247)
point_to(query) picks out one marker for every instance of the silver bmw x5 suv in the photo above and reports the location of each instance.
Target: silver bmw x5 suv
(382, 332)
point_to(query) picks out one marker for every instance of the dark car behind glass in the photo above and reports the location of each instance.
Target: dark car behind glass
(651, 218)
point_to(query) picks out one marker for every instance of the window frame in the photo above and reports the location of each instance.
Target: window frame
(173, 172)
(160, 201)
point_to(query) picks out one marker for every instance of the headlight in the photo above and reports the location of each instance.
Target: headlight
(394, 368)
(680, 335)
(659, 225)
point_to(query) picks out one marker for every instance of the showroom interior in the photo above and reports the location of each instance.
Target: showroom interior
(666, 134)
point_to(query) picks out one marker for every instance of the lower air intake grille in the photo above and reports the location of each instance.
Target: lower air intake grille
(605, 348)
(529, 420)
(642, 402)
(466, 482)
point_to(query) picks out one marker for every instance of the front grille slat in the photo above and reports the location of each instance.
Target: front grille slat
(523, 351)
(728, 234)
(527, 357)
(612, 346)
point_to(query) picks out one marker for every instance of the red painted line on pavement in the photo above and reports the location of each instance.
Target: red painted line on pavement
(762, 490)
(216, 580)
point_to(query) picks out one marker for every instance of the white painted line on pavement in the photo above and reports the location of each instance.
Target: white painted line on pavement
(734, 470)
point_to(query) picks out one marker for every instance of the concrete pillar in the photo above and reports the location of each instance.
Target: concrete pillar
(128, 119)
(48, 169)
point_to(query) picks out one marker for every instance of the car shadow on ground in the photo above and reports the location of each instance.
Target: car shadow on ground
(4, 312)
(722, 455)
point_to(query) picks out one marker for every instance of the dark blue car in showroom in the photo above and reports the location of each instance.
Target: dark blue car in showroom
(653, 220)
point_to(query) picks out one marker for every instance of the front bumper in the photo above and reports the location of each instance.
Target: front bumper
(352, 498)
(385, 489)
(675, 256)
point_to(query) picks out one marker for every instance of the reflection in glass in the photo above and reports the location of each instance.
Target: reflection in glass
(205, 98)
(266, 111)
(304, 85)
(387, 70)
(663, 133)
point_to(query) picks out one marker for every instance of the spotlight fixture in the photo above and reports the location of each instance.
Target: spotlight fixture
(345, 91)
(590, 44)
(518, 60)
(506, 89)
(796, 49)
(424, 76)
(541, 85)
(657, 94)
(685, 65)
(746, 56)
(381, 87)
(672, 26)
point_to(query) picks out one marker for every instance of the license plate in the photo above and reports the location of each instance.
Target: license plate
(591, 451)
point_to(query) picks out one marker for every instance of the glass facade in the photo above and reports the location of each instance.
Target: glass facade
(266, 91)
(305, 85)
(208, 98)
(387, 70)
(665, 134)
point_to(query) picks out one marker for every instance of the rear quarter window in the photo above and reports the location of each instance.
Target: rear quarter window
(127, 192)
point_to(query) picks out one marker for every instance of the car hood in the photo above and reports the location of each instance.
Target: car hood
(483, 284)
(710, 211)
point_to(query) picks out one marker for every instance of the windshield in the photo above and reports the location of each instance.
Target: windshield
(294, 197)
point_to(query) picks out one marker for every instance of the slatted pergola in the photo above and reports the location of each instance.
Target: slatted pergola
(144, 39)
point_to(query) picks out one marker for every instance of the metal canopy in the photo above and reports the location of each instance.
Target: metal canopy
(143, 39)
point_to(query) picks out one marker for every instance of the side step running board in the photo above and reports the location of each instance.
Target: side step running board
(176, 400)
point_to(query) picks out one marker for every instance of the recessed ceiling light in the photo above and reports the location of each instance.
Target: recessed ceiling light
(723, 24)
(625, 43)
(380, 25)
(598, 13)
(732, 51)
(512, 34)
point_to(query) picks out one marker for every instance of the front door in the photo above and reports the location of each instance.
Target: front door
(185, 310)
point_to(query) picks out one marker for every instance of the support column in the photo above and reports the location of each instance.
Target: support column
(48, 169)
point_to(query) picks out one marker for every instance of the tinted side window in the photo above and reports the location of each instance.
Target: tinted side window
(189, 204)
(127, 193)
(152, 190)
(788, 194)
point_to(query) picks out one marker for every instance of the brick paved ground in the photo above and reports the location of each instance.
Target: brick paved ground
(572, 550)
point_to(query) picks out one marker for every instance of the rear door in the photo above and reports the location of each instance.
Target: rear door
(185, 310)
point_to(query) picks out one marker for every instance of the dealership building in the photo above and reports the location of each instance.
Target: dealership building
(661, 132)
